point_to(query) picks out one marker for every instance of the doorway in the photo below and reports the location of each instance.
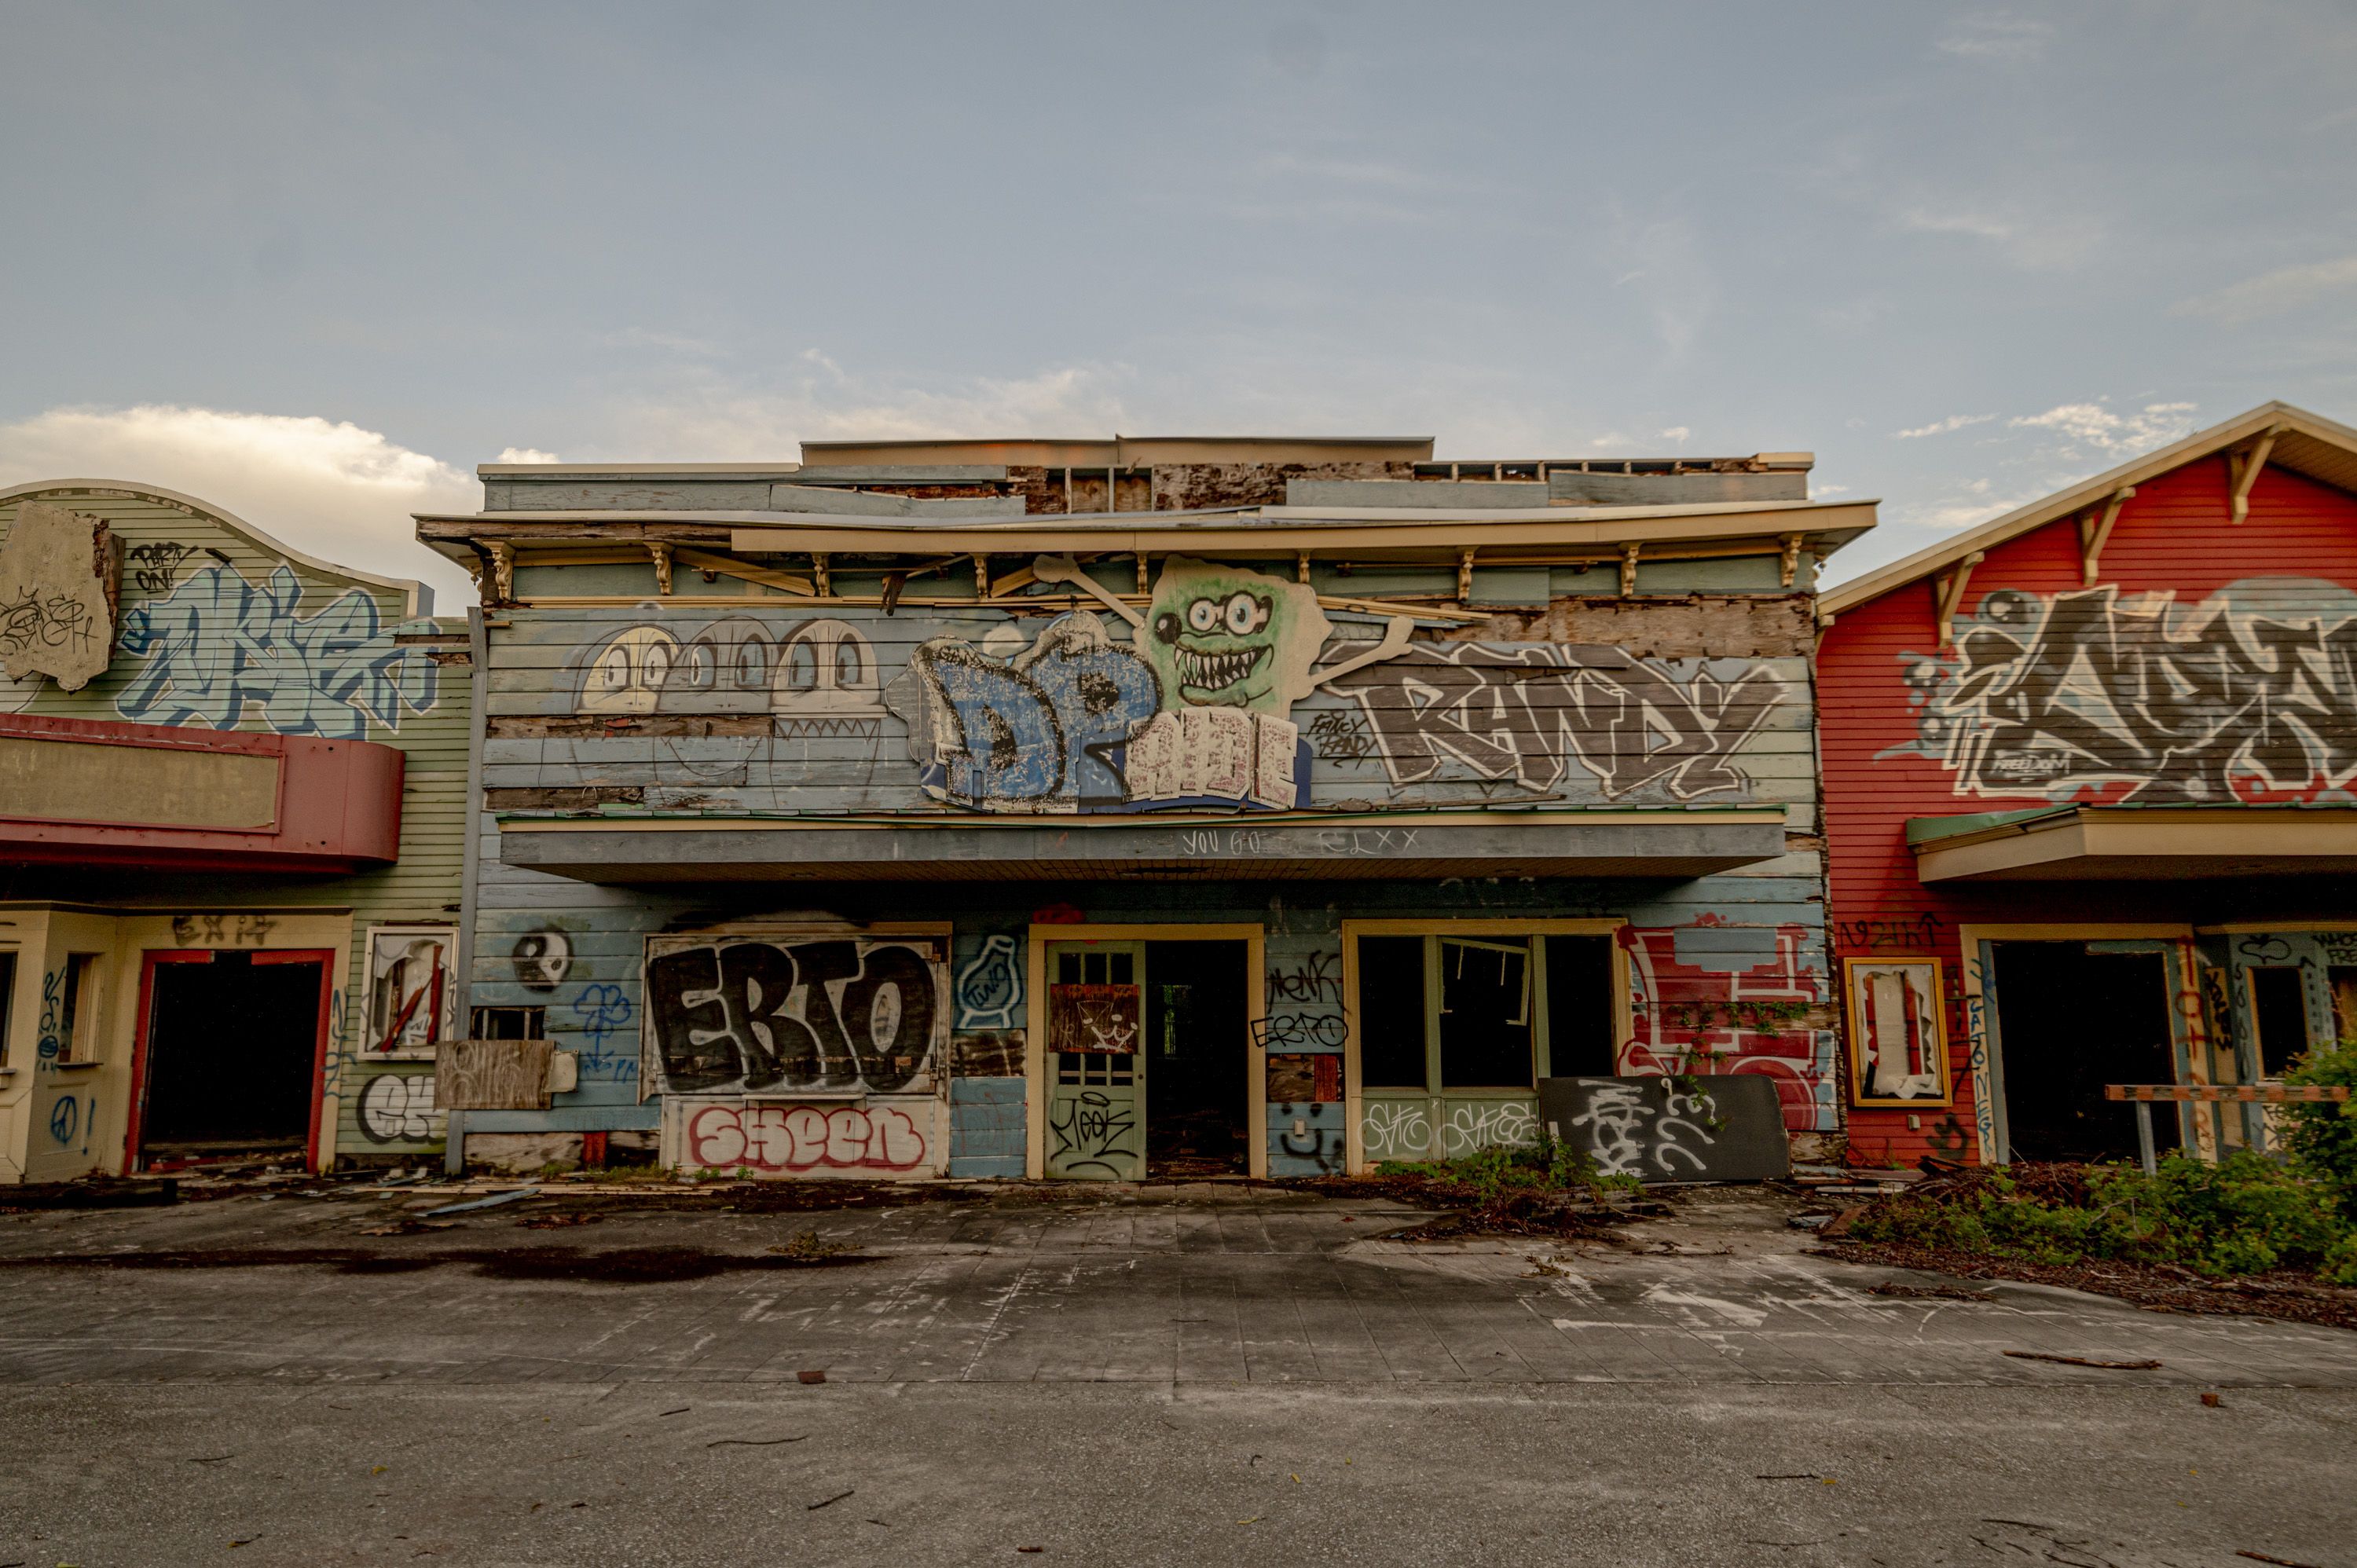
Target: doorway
(2071, 1019)
(229, 1055)
(1196, 1033)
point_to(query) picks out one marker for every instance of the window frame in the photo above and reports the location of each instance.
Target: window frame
(78, 1010)
(1432, 930)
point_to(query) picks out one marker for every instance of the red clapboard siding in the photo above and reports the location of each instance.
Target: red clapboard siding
(2176, 537)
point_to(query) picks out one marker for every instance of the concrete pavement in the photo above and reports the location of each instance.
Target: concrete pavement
(1135, 1377)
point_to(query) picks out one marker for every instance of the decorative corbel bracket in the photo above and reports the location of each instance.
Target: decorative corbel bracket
(2243, 469)
(2092, 532)
(1465, 576)
(982, 576)
(501, 581)
(820, 579)
(1788, 568)
(660, 551)
(1628, 570)
(1948, 595)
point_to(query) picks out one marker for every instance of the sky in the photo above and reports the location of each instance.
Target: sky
(315, 263)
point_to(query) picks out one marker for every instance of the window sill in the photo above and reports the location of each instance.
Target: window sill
(71, 1067)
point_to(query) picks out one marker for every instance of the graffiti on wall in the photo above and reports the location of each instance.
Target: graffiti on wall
(541, 959)
(219, 644)
(1715, 997)
(838, 1016)
(2231, 698)
(1527, 712)
(602, 1009)
(397, 1108)
(57, 616)
(805, 1140)
(990, 988)
(1395, 1128)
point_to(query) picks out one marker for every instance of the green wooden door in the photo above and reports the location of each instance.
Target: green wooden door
(1096, 1070)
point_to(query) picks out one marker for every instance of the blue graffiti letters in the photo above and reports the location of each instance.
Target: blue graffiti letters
(220, 643)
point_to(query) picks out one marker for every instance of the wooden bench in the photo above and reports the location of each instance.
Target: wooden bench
(2144, 1094)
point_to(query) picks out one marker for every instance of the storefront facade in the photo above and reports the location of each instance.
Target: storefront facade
(915, 814)
(2087, 772)
(232, 782)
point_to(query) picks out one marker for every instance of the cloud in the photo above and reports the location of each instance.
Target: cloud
(1976, 502)
(1996, 38)
(726, 421)
(1942, 426)
(527, 455)
(2090, 425)
(332, 490)
(1676, 435)
(2272, 294)
(2037, 243)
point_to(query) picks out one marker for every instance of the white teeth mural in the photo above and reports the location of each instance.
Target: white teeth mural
(1212, 672)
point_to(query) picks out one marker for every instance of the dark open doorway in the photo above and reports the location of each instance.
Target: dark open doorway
(1196, 1092)
(233, 1044)
(2068, 1022)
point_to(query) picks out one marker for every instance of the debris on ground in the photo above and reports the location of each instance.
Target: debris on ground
(92, 1192)
(1512, 1192)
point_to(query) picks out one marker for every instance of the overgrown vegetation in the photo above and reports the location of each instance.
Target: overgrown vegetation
(1495, 1173)
(2247, 1214)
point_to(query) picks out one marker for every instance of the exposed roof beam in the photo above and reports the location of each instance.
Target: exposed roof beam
(2244, 469)
(2092, 534)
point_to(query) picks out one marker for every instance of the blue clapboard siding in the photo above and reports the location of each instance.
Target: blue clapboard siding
(1703, 944)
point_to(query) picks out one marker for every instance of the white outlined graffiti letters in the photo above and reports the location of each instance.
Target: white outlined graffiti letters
(1526, 713)
(220, 643)
(839, 1014)
(2046, 695)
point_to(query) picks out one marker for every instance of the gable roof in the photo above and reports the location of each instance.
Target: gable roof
(2304, 442)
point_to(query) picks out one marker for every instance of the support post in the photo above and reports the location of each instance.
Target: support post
(2143, 1137)
(454, 1145)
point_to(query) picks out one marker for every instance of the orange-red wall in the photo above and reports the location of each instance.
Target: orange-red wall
(2295, 562)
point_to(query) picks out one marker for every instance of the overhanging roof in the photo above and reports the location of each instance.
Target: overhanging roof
(1824, 526)
(2094, 843)
(2306, 443)
(1291, 846)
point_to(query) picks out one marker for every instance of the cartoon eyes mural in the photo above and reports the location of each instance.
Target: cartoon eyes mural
(630, 671)
(1242, 615)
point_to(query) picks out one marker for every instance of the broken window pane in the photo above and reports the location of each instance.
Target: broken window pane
(1485, 1012)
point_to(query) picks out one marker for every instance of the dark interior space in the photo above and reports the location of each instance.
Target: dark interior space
(2069, 1022)
(230, 1049)
(1391, 1011)
(1195, 1093)
(1579, 1007)
(1485, 1012)
(2281, 1016)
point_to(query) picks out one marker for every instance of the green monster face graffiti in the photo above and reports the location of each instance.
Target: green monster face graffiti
(1221, 636)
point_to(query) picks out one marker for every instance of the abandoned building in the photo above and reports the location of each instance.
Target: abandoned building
(232, 807)
(1092, 809)
(2087, 774)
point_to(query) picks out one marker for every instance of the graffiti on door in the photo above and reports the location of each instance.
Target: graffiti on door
(2248, 694)
(836, 1015)
(1095, 1135)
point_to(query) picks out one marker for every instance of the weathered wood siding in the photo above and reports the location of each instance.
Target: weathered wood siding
(217, 631)
(766, 705)
(2212, 663)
